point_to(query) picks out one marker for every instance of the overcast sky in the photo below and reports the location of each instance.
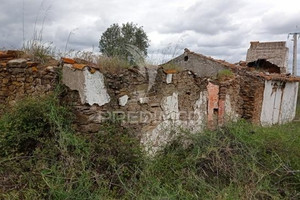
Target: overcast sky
(222, 29)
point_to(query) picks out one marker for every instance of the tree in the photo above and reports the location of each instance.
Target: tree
(116, 40)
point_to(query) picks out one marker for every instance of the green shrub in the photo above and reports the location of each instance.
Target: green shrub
(116, 155)
(225, 74)
(29, 123)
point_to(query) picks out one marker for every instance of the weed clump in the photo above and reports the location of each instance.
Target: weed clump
(225, 74)
(172, 67)
(112, 65)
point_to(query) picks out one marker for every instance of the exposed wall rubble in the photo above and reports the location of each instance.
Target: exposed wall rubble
(178, 100)
(21, 77)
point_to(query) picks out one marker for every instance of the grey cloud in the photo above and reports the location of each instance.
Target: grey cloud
(280, 23)
(206, 17)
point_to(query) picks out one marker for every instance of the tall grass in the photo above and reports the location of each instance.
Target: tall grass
(36, 48)
(237, 162)
(42, 158)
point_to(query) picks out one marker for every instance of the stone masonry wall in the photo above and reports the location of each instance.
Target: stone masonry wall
(20, 78)
(154, 104)
(181, 99)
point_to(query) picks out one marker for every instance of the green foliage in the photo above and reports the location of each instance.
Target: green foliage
(115, 40)
(43, 158)
(237, 162)
(225, 74)
(116, 156)
(29, 123)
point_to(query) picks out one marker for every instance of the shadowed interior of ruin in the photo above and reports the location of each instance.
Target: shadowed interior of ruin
(263, 64)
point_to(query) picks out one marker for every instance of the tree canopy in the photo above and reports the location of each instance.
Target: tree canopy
(117, 41)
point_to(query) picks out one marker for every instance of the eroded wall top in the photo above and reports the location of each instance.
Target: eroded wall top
(273, 52)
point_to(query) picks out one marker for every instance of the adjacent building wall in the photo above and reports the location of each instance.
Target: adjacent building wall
(274, 52)
(279, 102)
(201, 65)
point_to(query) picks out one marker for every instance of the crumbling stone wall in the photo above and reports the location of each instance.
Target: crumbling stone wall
(181, 99)
(153, 106)
(20, 78)
(274, 52)
(251, 96)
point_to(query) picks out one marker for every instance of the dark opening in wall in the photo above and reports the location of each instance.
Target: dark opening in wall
(264, 65)
(186, 58)
(216, 110)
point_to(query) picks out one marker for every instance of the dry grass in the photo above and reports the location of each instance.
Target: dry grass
(112, 64)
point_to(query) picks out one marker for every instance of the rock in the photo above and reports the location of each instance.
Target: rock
(169, 78)
(17, 63)
(123, 100)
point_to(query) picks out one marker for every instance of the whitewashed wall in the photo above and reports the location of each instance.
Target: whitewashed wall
(279, 102)
(90, 86)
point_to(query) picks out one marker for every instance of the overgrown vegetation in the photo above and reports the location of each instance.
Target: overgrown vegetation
(112, 64)
(39, 51)
(172, 67)
(43, 158)
(225, 74)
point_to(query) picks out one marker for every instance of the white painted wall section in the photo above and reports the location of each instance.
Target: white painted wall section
(289, 102)
(90, 86)
(95, 90)
(74, 79)
(156, 136)
(200, 113)
(279, 102)
(169, 106)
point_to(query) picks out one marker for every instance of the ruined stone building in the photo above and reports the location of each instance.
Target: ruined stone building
(191, 91)
(274, 54)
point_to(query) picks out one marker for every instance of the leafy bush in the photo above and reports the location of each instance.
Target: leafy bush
(29, 123)
(116, 155)
(42, 158)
